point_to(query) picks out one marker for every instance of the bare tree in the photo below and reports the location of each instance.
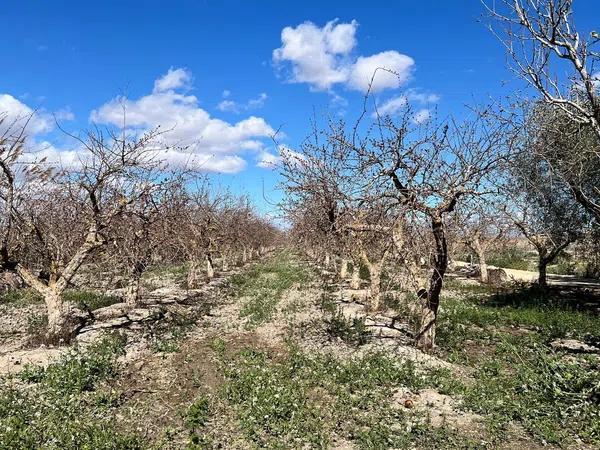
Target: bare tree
(66, 217)
(480, 226)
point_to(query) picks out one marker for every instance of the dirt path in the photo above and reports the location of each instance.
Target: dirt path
(159, 387)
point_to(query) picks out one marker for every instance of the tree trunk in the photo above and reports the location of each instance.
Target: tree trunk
(244, 256)
(375, 290)
(327, 261)
(61, 326)
(542, 271)
(344, 269)
(192, 277)
(225, 262)
(483, 271)
(430, 300)
(210, 270)
(355, 282)
(132, 293)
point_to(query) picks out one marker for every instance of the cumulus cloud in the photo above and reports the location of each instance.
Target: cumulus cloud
(322, 58)
(14, 110)
(317, 54)
(268, 160)
(228, 105)
(397, 103)
(391, 106)
(422, 116)
(385, 70)
(215, 143)
(173, 79)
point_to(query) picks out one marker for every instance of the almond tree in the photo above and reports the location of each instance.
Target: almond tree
(480, 226)
(424, 169)
(145, 226)
(65, 219)
(15, 175)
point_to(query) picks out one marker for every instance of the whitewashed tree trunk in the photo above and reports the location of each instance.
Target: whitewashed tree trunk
(355, 281)
(327, 261)
(132, 292)
(475, 244)
(62, 326)
(210, 270)
(344, 269)
(427, 324)
(375, 289)
(193, 275)
(225, 261)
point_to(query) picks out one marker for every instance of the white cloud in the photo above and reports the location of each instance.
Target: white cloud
(268, 160)
(228, 106)
(258, 102)
(173, 79)
(423, 98)
(14, 110)
(395, 104)
(317, 55)
(214, 142)
(226, 93)
(391, 106)
(385, 70)
(422, 116)
(322, 58)
(235, 107)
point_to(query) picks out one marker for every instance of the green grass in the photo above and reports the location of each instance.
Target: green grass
(19, 298)
(505, 337)
(81, 298)
(298, 400)
(89, 300)
(196, 418)
(510, 258)
(263, 286)
(62, 407)
(176, 271)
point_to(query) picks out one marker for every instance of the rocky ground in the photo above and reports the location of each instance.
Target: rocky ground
(282, 355)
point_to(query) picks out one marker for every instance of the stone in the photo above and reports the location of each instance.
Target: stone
(497, 277)
(573, 346)
(140, 315)
(110, 312)
(10, 281)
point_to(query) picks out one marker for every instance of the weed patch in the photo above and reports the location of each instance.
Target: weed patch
(62, 409)
(299, 401)
(263, 286)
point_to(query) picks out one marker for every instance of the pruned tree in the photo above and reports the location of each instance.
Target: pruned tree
(480, 226)
(65, 219)
(416, 173)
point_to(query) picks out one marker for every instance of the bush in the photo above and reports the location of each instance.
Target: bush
(353, 331)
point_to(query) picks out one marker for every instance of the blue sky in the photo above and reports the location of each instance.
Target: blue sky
(212, 65)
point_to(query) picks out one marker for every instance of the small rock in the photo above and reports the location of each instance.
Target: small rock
(574, 346)
(139, 315)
